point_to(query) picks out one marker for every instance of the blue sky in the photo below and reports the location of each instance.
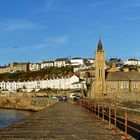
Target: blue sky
(36, 30)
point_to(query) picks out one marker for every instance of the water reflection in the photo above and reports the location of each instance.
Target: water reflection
(8, 116)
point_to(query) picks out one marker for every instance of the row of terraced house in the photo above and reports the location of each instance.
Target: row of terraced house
(69, 82)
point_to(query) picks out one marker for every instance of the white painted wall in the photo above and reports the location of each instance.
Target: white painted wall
(72, 82)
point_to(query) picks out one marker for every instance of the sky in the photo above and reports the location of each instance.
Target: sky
(37, 30)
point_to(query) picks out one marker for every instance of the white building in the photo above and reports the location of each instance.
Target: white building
(46, 64)
(77, 61)
(34, 66)
(91, 60)
(61, 62)
(132, 61)
(11, 86)
(2, 85)
(73, 82)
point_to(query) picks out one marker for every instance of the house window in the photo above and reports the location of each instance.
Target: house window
(121, 85)
(124, 85)
(112, 85)
(135, 85)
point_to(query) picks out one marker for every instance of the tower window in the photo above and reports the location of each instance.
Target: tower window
(100, 72)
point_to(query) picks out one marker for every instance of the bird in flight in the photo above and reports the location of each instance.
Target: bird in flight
(15, 47)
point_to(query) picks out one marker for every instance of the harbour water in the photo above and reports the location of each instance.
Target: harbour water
(9, 116)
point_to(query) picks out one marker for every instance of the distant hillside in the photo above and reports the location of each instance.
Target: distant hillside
(44, 73)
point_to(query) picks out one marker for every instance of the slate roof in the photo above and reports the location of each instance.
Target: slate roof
(123, 76)
(48, 62)
(76, 58)
(61, 59)
(132, 59)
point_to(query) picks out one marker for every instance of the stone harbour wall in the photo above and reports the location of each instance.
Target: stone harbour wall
(26, 103)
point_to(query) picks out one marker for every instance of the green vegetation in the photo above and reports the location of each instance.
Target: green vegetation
(44, 73)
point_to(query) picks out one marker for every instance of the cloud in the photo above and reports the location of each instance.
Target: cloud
(47, 6)
(134, 18)
(133, 4)
(14, 25)
(100, 3)
(51, 42)
(58, 40)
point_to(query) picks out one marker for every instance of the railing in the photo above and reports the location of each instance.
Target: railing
(115, 116)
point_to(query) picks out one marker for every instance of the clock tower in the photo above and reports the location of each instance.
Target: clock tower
(99, 84)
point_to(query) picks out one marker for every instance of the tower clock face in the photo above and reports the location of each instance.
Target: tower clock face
(100, 58)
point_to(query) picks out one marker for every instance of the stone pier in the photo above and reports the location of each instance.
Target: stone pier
(61, 121)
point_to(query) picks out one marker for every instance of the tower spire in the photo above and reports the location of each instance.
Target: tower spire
(100, 46)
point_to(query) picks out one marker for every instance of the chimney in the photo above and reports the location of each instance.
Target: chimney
(113, 68)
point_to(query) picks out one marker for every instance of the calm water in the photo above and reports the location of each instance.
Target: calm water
(8, 116)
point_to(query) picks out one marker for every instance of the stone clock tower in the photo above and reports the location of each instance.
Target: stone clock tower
(98, 87)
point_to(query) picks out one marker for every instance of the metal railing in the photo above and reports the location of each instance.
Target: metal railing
(116, 117)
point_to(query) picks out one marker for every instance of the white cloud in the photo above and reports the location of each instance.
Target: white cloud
(133, 3)
(48, 6)
(51, 42)
(61, 40)
(15, 25)
(134, 18)
(99, 3)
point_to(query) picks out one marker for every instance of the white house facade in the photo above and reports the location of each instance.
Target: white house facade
(77, 61)
(46, 64)
(132, 61)
(61, 62)
(73, 82)
(34, 66)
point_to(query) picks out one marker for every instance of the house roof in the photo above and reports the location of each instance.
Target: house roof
(21, 63)
(61, 59)
(91, 58)
(123, 76)
(132, 59)
(76, 58)
(48, 62)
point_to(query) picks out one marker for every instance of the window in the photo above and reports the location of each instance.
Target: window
(135, 85)
(124, 85)
(100, 72)
(112, 85)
